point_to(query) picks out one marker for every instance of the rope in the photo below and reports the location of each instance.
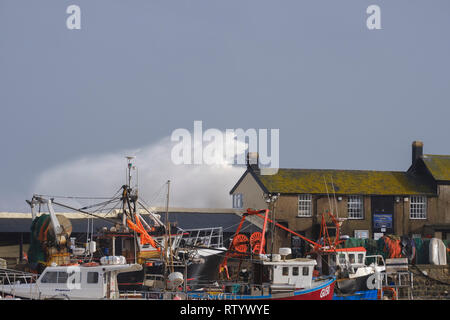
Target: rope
(428, 277)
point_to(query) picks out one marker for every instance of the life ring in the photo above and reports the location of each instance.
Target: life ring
(394, 293)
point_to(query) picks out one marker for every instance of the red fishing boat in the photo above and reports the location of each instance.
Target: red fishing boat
(270, 276)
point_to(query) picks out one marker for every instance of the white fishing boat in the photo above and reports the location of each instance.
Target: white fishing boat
(70, 282)
(352, 268)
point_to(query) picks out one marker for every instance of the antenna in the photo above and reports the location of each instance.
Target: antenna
(130, 165)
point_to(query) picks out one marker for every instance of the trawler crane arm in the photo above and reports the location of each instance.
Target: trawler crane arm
(33, 208)
(56, 226)
(55, 223)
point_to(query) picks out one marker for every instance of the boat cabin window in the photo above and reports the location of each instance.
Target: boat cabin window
(92, 277)
(341, 258)
(50, 277)
(351, 257)
(333, 259)
(361, 258)
(285, 271)
(62, 277)
(305, 271)
(55, 277)
(295, 271)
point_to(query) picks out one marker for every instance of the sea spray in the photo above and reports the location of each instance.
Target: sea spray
(195, 186)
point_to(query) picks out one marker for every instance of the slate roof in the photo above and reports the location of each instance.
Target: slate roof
(438, 166)
(358, 182)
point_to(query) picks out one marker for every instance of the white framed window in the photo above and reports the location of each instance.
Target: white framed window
(342, 259)
(304, 205)
(305, 271)
(418, 207)
(238, 201)
(355, 207)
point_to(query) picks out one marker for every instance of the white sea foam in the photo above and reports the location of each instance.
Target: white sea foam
(195, 186)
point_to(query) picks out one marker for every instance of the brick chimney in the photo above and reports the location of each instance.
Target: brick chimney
(253, 161)
(417, 150)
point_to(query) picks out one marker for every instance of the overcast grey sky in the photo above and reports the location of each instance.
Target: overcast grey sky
(342, 96)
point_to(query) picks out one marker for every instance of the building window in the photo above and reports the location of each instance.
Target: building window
(238, 202)
(418, 207)
(355, 207)
(285, 271)
(295, 271)
(304, 205)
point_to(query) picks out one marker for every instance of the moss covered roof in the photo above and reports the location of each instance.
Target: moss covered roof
(345, 182)
(439, 166)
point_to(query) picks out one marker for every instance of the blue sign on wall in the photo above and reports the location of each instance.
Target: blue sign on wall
(382, 221)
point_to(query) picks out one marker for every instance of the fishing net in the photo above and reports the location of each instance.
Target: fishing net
(392, 246)
(36, 252)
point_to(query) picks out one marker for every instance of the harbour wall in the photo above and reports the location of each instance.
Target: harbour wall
(431, 282)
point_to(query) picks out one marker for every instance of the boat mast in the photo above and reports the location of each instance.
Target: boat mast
(168, 235)
(271, 201)
(167, 205)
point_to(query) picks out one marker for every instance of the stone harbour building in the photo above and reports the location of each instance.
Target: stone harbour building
(415, 202)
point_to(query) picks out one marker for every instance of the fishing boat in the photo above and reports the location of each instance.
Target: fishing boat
(195, 253)
(355, 271)
(357, 274)
(160, 248)
(69, 282)
(287, 279)
(270, 276)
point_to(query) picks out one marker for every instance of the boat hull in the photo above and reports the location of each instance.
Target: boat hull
(321, 290)
(350, 286)
(206, 271)
(202, 271)
(359, 295)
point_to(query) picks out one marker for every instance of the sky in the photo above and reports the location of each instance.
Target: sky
(74, 103)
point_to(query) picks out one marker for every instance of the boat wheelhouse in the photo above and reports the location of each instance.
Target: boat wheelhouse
(73, 282)
(284, 275)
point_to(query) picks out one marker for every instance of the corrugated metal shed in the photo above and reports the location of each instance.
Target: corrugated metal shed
(185, 220)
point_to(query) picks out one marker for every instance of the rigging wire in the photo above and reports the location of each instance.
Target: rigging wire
(72, 197)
